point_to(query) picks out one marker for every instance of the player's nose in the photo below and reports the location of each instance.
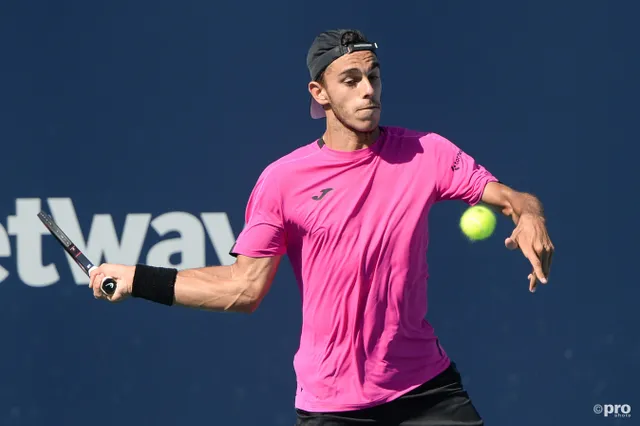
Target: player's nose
(367, 88)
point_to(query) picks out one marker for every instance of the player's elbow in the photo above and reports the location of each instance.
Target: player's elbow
(253, 285)
(249, 297)
(253, 276)
(249, 307)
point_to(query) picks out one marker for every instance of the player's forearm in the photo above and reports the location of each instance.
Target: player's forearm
(216, 288)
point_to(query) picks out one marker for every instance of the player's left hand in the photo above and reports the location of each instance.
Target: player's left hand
(531, 236)
(123, 275)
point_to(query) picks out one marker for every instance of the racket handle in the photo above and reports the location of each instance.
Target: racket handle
(108, 286)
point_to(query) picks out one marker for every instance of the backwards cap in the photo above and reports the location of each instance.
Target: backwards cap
(326, 48)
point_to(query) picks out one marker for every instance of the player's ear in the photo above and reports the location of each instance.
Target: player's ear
(318, 92)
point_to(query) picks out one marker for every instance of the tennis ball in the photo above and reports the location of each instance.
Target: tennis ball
(478, 222)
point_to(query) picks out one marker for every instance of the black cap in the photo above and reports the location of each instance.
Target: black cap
(326, 48)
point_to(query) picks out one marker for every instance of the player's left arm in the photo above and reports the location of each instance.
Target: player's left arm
(461, 177)
(530, 234)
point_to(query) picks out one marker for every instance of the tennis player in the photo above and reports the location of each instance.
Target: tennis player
(350, 209)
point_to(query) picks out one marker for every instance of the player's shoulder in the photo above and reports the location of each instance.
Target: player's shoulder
(427, 138)
(283, 165)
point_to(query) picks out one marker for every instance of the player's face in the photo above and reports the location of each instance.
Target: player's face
(353, 88)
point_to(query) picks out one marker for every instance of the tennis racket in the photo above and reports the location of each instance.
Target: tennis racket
(108, 285)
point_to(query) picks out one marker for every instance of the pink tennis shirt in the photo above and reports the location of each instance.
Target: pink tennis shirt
(354, 226)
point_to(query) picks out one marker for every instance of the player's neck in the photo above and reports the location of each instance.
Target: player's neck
(340, 138)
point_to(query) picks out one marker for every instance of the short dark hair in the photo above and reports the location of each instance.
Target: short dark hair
(349, 37)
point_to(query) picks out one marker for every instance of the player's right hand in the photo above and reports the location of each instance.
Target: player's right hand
(123, 274)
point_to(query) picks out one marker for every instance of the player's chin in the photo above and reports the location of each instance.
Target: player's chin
(367, 120)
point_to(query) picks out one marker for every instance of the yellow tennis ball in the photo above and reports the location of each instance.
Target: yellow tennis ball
(478, 222)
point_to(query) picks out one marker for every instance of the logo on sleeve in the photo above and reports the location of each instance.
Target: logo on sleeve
(322, 194)
(456, 163)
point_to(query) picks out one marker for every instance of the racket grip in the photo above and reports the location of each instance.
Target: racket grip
(108, 286)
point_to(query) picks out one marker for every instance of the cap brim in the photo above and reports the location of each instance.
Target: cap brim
(316, 110)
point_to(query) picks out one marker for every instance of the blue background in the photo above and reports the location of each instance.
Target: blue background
(183, 105)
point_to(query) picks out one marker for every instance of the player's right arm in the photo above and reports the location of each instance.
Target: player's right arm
(239, 287)
(259, 248)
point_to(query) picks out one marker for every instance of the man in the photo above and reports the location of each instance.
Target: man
(350, 210)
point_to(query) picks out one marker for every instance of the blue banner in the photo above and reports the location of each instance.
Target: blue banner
(143, 126)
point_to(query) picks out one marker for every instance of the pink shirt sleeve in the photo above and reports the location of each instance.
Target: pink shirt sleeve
(459, 176)
(263, 234)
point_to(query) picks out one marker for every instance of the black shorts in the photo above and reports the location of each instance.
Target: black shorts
(440, 401)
